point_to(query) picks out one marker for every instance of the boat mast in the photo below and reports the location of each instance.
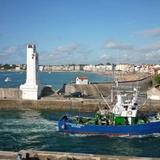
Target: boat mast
(102, 97)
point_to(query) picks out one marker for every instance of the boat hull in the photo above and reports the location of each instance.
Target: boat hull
(119, 130)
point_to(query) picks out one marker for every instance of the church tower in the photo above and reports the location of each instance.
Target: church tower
(31, 89)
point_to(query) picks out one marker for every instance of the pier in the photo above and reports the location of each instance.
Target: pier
(12, 97)
(64, 104)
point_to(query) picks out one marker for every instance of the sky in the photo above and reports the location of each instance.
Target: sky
(81, 31)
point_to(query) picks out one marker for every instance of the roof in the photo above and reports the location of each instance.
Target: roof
(82, 78)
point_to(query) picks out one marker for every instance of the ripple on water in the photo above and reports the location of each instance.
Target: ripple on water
(29, 129)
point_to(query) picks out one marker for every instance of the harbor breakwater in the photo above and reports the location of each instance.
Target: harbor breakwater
(92, 90)
(11, 97)
(10, 93)
(63, 104)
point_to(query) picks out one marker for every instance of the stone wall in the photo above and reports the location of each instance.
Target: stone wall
(76, 104)
(94, 90)
(10, 93)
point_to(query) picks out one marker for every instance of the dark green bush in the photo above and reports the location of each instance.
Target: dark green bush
(157, 79)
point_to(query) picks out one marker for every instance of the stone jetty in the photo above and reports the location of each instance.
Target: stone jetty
(10, 98)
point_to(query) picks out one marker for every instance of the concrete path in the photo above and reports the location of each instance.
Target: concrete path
(43, 155)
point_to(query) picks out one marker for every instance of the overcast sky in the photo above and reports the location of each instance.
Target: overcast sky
(81, 31)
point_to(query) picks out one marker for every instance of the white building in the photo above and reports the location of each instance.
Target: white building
(109, 67)
(90, 68)
(103, 68)
(78, 68)
(137, 68)
(41, 68)
(31, 89)
(18, 68)
(156, 69)
(81, 80)
(100, 68)
(125, 67)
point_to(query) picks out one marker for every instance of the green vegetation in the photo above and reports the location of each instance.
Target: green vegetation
(6, 67)
(156, 79)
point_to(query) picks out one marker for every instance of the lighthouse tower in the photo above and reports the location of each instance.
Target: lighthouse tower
(31, 89)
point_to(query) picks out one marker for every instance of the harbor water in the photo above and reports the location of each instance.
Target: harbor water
(37, 130)
(56, 79)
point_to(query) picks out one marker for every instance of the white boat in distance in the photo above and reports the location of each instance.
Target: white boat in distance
(7, 79)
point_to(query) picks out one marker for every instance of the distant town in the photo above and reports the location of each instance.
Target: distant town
(151, 69)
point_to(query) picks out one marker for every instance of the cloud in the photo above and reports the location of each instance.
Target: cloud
(66, 54)
(151, 47)
(69, 49)
(154, 32)
(117, 45)
(113, 52)
(61, 51)
(115, 58)
(116, 53)
(147, 54)
(105, 56)
(12, 54)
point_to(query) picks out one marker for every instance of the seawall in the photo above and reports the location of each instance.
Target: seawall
(60, 104)
(11, 97)
(10, 93)
(65, 104)
(94, 90)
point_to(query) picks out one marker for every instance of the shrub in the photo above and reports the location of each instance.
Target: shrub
(157, 79)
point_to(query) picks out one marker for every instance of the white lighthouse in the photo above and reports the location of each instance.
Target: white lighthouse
(31, 90)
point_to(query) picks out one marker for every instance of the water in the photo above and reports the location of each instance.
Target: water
(37, 129)
(56, 79)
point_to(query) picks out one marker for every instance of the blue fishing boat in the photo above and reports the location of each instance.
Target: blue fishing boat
(123, 119)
